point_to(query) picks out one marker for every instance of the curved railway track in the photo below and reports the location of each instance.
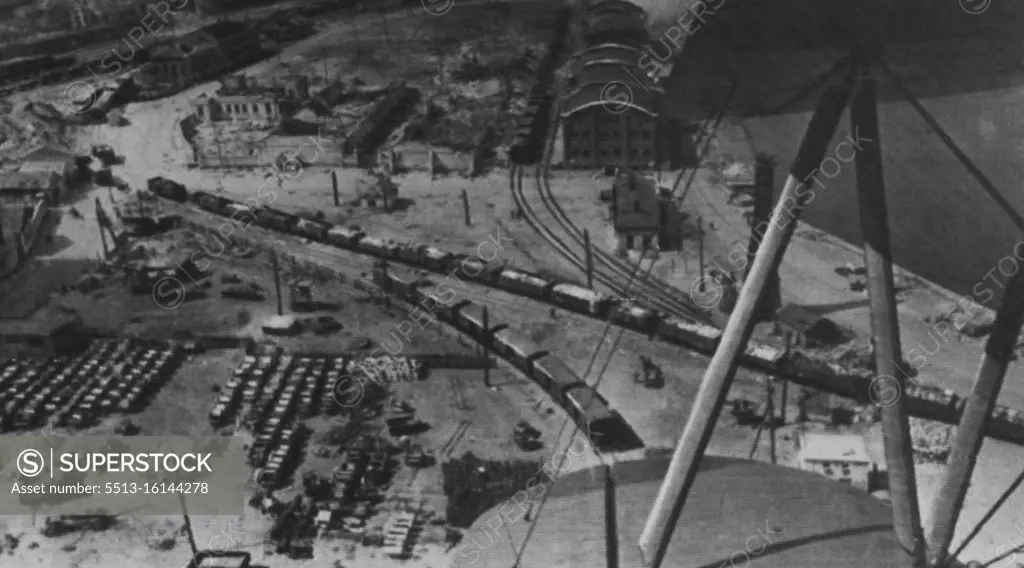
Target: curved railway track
(657, 293)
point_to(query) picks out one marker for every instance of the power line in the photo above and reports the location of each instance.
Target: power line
(565, 424)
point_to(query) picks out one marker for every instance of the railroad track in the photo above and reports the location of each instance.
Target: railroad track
(607, 269)
(457, 435)
(654, 292)
(658, 293)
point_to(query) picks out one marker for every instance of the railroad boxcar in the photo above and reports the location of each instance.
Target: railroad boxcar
(168, 189)
(435, 258)
(592, 413)
(517, 348)
(405, 288)
(470, 319)
(764, 356)
(209, 202)
(240, 214)
(580, 299)
(554, 376)
(690, 334)
(376, 246)
(1005, 424)
(277, 220)
(447, 312)
(524, 283)
(928, 402)
(409, 253)
(636, 317)
(472, 268)
(343, 237)
(312, 229)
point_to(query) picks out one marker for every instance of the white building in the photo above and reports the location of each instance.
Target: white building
(842, 457)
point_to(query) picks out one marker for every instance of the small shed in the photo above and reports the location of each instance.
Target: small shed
(811, 330)
(49, 334)
(842, 457)
(281, 325)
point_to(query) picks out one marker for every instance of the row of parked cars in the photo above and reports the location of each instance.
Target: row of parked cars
(262, 379)
(109, 377)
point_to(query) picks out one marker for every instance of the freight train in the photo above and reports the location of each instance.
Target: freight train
(855, 384)
(584, 404)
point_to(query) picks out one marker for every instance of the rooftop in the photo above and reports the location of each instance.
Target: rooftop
(280, 322)
(616, 51)
(613, 99)
(834, 447)
(608, 71)
(38, 324)
(741, 511)
(22, 181)
(182, 49)
(637, 205)
(48, 153)
(622, 7)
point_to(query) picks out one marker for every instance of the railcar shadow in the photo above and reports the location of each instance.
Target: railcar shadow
(620, 438)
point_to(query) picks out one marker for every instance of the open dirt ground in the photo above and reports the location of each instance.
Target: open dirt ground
(153, 146)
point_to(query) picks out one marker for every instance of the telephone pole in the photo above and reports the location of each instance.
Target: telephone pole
(700, 252)
(277, 282)
(590, 258)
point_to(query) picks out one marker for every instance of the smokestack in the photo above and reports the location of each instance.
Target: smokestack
(764, 181)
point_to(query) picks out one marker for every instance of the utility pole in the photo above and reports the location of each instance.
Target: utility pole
(188, 527)
(885, 326)
(487, 348)
(770, 412)
(999, 351)
(785, 383)
(277, 283)
(334, 185)
(465, 206)
(102, 222)
(700, 252)
(714, 388)
(590, 258)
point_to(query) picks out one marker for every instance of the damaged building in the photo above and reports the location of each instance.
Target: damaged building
(196, 56)
(243, 99)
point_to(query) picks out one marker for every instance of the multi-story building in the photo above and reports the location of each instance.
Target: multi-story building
(199, 55)
(608, 124)
(242, 99)
(610, 116)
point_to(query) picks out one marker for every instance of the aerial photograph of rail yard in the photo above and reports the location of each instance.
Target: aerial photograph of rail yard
(511, 283)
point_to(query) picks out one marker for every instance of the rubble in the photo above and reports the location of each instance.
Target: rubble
(932, 441)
